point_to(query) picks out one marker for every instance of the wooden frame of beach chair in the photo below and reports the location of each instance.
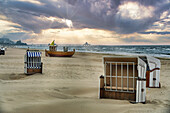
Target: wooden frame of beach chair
(124, 78)
(153, 71)
(32, 62)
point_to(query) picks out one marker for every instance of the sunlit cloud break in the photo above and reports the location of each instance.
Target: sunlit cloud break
(134, 10)
(68, 22)
(123, 21)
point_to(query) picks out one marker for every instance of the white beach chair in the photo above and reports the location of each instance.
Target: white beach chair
(153, 74)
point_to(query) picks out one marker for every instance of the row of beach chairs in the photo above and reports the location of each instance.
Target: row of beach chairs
(124, 78)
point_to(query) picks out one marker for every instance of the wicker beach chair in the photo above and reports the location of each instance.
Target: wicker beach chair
(33, 62)
(124, 78)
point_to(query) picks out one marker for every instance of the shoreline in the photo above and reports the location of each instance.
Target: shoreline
(103, 53)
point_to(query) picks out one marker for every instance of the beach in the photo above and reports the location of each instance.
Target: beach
(69, 85)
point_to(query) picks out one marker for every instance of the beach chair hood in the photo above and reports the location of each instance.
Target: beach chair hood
(153, 62)
(33, 54)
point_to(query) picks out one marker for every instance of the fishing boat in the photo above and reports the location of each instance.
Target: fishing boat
(52, 52)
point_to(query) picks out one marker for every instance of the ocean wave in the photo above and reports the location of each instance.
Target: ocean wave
(157, 51)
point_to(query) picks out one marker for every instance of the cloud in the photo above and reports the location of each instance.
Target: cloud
(117, 15)
(68, 22)
(142, 40)
(154, 32)
(29, 15)
(17, 36)
(120, 16)
(136, 39)
(75, 36)
(133, 17)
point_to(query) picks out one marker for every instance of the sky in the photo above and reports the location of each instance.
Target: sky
(98, 22)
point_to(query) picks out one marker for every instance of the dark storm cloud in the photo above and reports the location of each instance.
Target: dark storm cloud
(26, 14)
(154, 32)
(101, 17)
(100, 14)
(127, 25)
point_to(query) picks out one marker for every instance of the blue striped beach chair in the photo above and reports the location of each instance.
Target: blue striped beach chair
(32, 62)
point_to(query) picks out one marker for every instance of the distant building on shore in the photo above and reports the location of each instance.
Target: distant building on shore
(86, 44)
(20, 43)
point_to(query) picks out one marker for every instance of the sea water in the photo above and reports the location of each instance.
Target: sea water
(153, 50)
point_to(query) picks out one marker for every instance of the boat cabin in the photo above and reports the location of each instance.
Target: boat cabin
(124, 78)
(52, 47)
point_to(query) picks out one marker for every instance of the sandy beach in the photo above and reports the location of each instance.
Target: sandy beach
(69, 85)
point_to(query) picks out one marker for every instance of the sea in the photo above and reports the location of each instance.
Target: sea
(162, 51)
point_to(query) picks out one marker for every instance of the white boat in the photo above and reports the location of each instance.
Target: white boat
(86, 44)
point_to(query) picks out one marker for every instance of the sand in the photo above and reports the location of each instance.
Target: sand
(69, 85)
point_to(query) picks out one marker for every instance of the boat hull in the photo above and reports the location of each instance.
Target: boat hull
(59, 53)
